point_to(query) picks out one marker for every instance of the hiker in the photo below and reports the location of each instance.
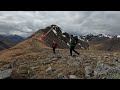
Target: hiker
(73, 43)
(54, 46)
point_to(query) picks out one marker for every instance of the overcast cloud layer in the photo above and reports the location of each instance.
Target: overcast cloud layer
(24, 23)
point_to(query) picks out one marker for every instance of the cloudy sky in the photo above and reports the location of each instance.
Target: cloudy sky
(24, 23)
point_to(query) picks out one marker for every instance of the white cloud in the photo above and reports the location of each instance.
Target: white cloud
(76, 22)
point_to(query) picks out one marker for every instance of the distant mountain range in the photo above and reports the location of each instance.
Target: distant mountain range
(102, 42)
(7, 41)
(54, 32)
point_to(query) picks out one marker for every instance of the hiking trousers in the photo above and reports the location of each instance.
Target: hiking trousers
(72, 48)
(54, 49)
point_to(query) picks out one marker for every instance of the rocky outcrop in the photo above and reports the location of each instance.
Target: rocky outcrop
(5, 74)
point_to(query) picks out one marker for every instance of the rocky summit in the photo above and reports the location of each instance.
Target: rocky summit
(34, 59)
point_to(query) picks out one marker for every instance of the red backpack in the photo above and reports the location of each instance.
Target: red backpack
(55, 44)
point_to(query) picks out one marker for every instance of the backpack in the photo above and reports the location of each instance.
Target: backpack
(76, 39)
(73, 41)
(55, 44)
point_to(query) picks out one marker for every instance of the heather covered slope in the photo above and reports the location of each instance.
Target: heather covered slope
(42, 64)
(28, 46)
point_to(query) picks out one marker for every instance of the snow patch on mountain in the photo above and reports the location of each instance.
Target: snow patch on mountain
(63, 31)
(118, 36)
(81, 39)
(68, 44)
(63, 35)
(54, 31)
(110, 36)
(104, 35)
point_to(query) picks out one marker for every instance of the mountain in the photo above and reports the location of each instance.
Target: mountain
(35, 43)
(33, 58)
(7, 41)
(3, 46)
(108, 45)
(15, 38)
(102, 42)
(56, 34)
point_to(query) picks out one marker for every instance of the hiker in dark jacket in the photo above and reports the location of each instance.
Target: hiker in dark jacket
(73, 43)
(54, 46)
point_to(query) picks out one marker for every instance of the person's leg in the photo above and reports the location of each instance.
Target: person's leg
(71, 51)
(54, 50)
(75, 51)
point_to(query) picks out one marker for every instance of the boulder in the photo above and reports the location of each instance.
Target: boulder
(72, 77)
(89, 72)
(5, 74)
(61, 76)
